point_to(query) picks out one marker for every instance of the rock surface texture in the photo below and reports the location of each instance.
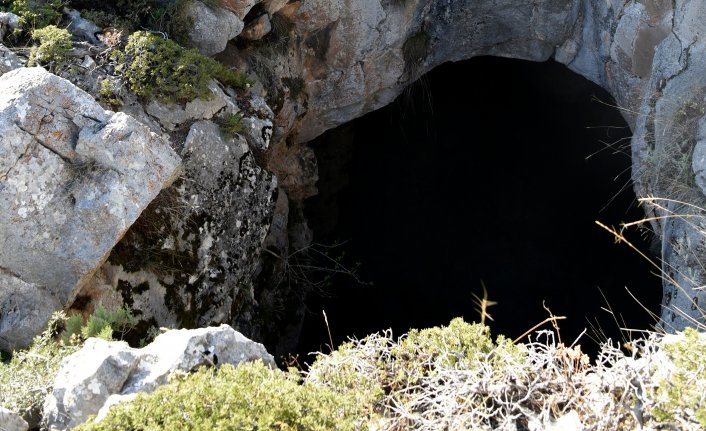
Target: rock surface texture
(105, 372)
(73, 178)
(11, 421)
(190, 259)
(335, 60)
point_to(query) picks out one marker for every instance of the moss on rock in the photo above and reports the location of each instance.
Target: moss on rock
(685, 390)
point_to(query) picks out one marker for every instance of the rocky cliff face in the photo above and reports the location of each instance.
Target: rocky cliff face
(338, 60)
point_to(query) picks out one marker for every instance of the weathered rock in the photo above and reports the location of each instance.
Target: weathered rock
(11, 421)
(22, 315)
(101, 369)
(190, 259)
(257, 29)
(173, 115)
(73, 178)
(352, 57)
(82, 28)
(239, 7)
(274, 6)
(9, 60)
(213, 27)
(8, 22)
(258, 132)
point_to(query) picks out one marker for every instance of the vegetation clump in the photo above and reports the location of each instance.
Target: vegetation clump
(231, 125)
(102, 323)
(250, 396)
(431, 376)
(158, 67)
(166, 17)
(449, 377)
(108, 95)
(28, 377)
(54, 44)
(34, 15)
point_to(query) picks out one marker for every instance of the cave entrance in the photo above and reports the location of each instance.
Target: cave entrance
(489, 169)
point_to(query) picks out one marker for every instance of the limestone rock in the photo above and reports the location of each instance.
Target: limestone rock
(22, 315)
(257, 29)
(88, 378)
(191, 257)
(8, 22)
(258, 132)
(73, 178)
(274, 6)
(213, 27)
(82, 28)
(11, 421)
(239, 7)
(9, 60)
(173, 115)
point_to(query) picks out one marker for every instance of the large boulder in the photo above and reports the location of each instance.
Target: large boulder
(189, 261)
(9, 60)
(104, 370)
(213, 27)
(73, 178)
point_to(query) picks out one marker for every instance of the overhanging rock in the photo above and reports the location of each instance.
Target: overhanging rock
(73, 178)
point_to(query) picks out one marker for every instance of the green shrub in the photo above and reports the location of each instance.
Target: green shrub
(231, 125)
(54, 44)
(250, 396)
(27, 379)
(34, 15)
(102, 323)
(108, 96)
(158, 67)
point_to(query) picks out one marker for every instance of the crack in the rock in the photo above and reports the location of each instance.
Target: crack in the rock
(80, 162)
(14, 165)
(9, 272)
(61, 156)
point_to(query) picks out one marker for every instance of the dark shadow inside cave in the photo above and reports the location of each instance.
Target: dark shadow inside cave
(490, 169)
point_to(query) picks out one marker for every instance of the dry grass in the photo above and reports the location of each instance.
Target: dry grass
(663, 210)
(421, 382)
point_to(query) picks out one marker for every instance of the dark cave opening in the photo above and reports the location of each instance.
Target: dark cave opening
(489, 169)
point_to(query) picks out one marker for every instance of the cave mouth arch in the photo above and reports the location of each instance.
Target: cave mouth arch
(489, 169)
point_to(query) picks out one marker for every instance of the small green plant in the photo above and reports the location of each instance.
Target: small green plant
(28, 377)
(158, 67)
(108, 96)
(250, 396)
(102, 323)
(231, 125)
(54, 44)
